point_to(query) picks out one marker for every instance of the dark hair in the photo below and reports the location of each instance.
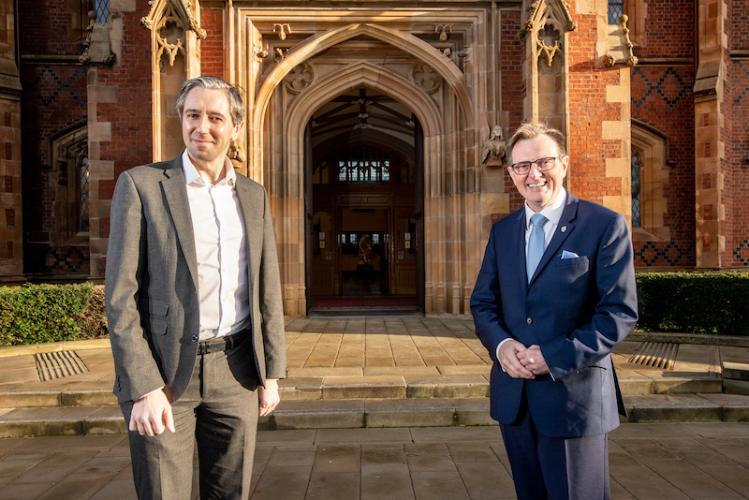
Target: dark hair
(531, 131)
(233, 93)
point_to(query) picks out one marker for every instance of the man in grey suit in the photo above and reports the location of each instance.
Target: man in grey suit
(194, 305)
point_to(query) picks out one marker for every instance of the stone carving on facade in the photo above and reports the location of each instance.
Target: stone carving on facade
(299, 78)
(261, 52)
(96, 46)
(426, 77)
(625, 46)
(548, 44)
(494, 151)
(444, 30)
(184, 10)
(169, 35)
(280, 53)
(282, 29)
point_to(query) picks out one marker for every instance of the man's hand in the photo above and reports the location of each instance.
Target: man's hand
(152, 414)
(268, 396)
(509, 359)
(533, 360)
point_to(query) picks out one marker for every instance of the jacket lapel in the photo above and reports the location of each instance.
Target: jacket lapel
(175, 192)
(564, 229)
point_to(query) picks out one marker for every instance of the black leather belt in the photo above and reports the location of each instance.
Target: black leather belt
(223, 343)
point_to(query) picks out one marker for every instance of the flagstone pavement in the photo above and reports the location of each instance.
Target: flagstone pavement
(648, 461)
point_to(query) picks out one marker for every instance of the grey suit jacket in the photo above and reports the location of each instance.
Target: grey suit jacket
(151, 282)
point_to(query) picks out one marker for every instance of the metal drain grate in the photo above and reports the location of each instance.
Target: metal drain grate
(660, 355)
(58, 364)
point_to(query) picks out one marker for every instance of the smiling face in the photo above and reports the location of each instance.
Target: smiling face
(537, 187)
(207, 127)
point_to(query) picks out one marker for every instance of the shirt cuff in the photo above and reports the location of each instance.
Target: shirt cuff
(496, 354)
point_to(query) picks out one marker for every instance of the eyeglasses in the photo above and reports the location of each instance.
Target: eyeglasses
(543, 164)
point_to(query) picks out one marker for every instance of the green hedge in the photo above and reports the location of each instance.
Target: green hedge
(704, 302)
(34, 314)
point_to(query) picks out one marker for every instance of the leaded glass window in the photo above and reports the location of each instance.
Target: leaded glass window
(616, 9)
(636, 180)
(102, 11)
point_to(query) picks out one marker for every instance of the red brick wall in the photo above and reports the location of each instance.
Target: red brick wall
(212, 48)
(53, 102)
(588, 110)
(662, 97)
(130, 116)
(669, 28)
(513, 86)
(736, 110)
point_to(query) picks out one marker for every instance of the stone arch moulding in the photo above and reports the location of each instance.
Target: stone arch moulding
(316, 44)
(301, 111)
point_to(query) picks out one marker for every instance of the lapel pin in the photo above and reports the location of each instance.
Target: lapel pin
(563, 228)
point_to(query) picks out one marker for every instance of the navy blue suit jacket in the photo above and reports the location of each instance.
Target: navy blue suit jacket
(575, 309)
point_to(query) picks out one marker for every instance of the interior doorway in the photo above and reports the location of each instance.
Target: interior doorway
(364, 205)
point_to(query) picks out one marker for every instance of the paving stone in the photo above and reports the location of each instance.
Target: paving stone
(121, 489)
(404, 371)
(409, 412)
(671, 408)
(337, 458)
(378, 455)
(291, 456)
(635, 384)
(17, 491)
(696, 383)
(17, 397)
(735, 407)
(735, 370)
(462, 434)
(319, 415)
(386, 482)
(430, 485)
(333, 486)
(708, 430)
(354, 371)
(429, 457)
(690, 479)
(458, 386)
(453, 370)
(733, 476)
(387, 435)
(471, 453)
(91, 397)
(286, 438)
(382, 386)
(643, 483)
(287, 483)
(470, 412)
(296, 389)
(487, 481)
(735, 387)
(697, 359)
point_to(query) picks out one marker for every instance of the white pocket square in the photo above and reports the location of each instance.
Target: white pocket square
(569, 255)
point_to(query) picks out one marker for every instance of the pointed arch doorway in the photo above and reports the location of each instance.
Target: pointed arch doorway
(364, 205)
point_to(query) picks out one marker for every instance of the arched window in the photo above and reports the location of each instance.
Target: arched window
(649, 178)
(70, 158)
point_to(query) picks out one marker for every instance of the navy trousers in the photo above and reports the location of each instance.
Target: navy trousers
(556, 468)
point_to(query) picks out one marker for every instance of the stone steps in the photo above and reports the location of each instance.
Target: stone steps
(362, 387)
(372, 413)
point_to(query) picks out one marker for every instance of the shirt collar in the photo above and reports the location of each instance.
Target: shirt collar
(192, 177)
(552, 211)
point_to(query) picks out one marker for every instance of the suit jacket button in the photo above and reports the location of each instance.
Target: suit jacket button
(194, 338)
(529, 320)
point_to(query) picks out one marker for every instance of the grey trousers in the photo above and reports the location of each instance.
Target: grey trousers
(219, 412)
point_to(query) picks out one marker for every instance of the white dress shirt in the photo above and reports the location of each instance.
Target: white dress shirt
(221, 250)
(553, 212)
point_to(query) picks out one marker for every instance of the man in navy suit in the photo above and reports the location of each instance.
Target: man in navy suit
(555, 294)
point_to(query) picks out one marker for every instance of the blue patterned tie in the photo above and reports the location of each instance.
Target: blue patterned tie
(535, 244)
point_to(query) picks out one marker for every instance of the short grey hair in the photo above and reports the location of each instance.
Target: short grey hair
(531, 130)
(233, 93)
